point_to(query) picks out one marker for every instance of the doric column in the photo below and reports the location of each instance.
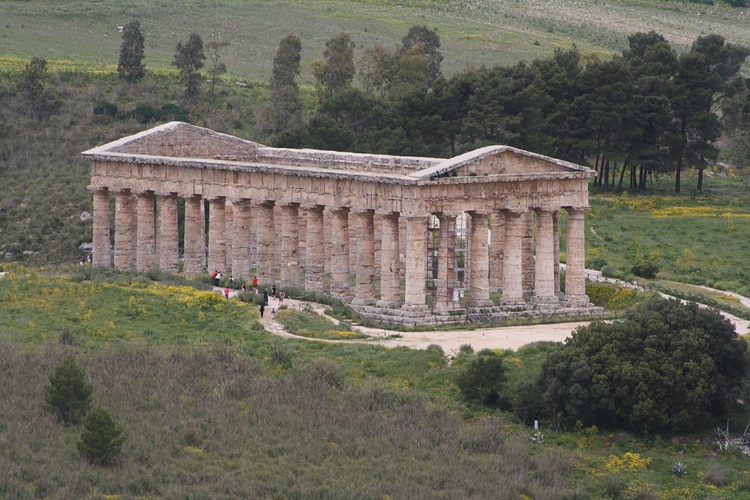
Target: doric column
(512, 261)
(390, 281)
(527, 250)
(263, 224)
(101, 253)
(229, 234)
(575, 281)
(416, 263)
(446, 272)
(340, 253)
(289, 245)
(194, 262)
(314, 281)
(365, 291)
(496, 250)
(124, 231)
(169, 247)
(241, 239)
(145, 244)
(544, 282)
(479, 280)
(217, 247)
(556, 248)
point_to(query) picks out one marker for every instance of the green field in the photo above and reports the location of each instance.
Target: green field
(473, 33)
(213, 406)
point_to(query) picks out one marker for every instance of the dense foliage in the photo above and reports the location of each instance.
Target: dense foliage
(667, 366)
(102, 437)
(647, 110)
(68, 394)
(482, 380)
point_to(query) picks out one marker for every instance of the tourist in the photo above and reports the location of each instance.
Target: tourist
(218, 279)
(281, 297)
(231, 282)
(255, 284)
(226, 293)
(273, 291)
(262, 310)
(244, 288)
(265, 296)
(214, 279)
(273, 313)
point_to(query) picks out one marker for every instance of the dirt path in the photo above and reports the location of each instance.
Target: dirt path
(508, 337)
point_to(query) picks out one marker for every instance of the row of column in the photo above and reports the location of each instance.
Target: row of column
(143, 241)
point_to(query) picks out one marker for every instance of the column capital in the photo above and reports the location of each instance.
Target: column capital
(165, 194)
(387, 213)
(312, 207)
(480, 212)
(215, 198)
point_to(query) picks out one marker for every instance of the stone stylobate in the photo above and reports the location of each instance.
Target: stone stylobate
(403, 239)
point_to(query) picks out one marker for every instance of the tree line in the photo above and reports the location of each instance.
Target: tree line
(648, 110)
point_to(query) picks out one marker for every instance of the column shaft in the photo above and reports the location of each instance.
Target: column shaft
(123, 231)
(101, 252)
(194, 260)
(365, 291)
(217, 256)
(496, 250)
(241, 239)
(527, 250)
(263, 224)
(544, 283)
(390, 279)
(479, 280)
(512, 260)
(314, 281)
(416, 263)
(556, 247)
(575, 282)
(169, 251)
(146, 232)
(229, 234)
(289, 245)
(446, 272)
(340, 253)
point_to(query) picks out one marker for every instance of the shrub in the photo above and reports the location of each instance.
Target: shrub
(483, 379)
(101, 439)
(68, 395)
(645, 270)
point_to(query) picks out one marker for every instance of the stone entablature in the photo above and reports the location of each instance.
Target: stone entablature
(337, 214)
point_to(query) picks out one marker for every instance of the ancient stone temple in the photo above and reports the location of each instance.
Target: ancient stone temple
(402, 239)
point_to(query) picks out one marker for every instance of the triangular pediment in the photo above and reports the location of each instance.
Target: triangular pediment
(499, 160)
(182, 140)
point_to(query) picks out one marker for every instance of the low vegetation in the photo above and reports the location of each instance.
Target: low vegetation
(199, 399)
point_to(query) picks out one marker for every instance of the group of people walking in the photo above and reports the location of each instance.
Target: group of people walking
(216, 280)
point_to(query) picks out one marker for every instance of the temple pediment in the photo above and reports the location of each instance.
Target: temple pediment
(499, 160)
(182, 140)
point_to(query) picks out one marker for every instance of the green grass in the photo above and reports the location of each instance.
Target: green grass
(485, 32)
(695, 238)
(214, 406)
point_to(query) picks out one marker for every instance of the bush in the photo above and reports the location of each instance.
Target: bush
(101, 439)
(483, 379)
(68, 395)
(646, 270)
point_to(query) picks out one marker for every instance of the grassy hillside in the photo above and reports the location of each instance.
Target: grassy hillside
(214, 407)
(473, 32)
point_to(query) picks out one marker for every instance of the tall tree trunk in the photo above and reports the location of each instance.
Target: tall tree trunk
(622, 175)
(606, 173)
(678, 172)
(700, 179)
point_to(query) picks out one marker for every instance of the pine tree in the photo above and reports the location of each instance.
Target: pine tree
(68, 395)
(131, 67)
(102, 437)
(189, 60)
